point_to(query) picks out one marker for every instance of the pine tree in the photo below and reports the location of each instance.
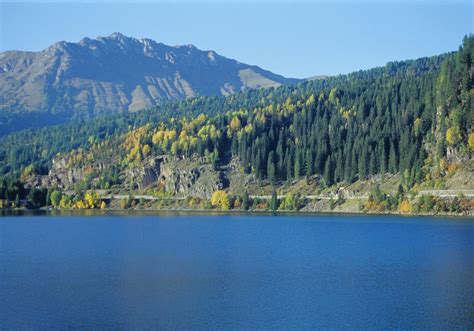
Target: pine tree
(17, 201)
(363, 165)
(392, 160)
(297, 171)
(246, 200)
(309, 164)
(348, 168)
(328, 172)
(274, 201)
(271, 173)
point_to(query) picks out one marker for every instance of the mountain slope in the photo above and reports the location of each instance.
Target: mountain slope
(391, 139)
(115, 74)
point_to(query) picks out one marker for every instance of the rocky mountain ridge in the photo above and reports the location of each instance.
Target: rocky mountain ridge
(115, 74)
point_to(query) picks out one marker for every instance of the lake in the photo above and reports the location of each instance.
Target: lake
(236, 272)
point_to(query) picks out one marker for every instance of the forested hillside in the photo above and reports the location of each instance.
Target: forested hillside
(412, 119)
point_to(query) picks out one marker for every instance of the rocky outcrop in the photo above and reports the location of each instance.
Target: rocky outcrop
(199, 181)
(178, 176)
(63, 176)
(146, 174)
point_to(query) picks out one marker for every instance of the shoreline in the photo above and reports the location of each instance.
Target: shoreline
(212, 212)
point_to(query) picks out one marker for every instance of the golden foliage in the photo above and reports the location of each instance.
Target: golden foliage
(136, 136)
(65, 201)
(234, 126)
(310, 101)
(470, 141)
(91, 201)
(145, 150)
(220, 199)
(452, 136)
(333, 96)
(209, 130)
(442, 164)
(174, 147)
(452, 168)
(406, 207)
(374, 206)
(134, 153)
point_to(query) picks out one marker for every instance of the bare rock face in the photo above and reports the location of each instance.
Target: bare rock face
(65, 177)
(317, 206)
(178, 176)
(147, 174)
(198, 181)
(454, 155)
(116, 74)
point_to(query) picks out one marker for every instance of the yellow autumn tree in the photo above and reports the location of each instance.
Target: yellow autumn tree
(209, 130)
(175, 147)
(235, 125)
(134, 153)
(65, 201)
(157, 137)
(145, 150)
(452, 136)
(171, 134)
(310, 101)
(470, 141)
(406, 207)
(333, 96)
(193, 142)
(220, 199)
(91, 200)
(80, 205)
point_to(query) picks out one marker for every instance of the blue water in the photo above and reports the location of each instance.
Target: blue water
(236, 272)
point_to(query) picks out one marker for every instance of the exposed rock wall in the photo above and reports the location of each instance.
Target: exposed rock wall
(63, 176)
(178, 176)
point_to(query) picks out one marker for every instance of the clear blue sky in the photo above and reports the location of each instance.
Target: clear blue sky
(295, 40)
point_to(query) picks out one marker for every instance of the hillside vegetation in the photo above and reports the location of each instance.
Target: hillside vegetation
(379, 137)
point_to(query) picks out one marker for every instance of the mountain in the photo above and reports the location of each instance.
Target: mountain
(398, 138)
(114, 74)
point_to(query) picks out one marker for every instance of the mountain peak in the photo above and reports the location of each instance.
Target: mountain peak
(118, 35)
(119, 73)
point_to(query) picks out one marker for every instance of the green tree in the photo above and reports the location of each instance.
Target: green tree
(56, 197)
(48, 197)
(271, 172)
(246, 200)
(274, 201)
(328, 172)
